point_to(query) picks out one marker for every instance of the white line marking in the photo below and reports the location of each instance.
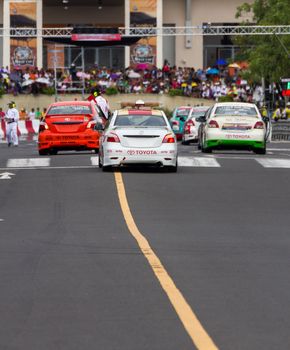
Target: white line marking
(274, 163)
(28, 162)
(198, 162)
(6, 176)
(1, 220)
(53, 167)
(95, 161)
(279, 149)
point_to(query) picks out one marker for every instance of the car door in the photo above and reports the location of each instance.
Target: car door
(201, 128)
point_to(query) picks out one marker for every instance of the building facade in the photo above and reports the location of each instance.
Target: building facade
(189, 51)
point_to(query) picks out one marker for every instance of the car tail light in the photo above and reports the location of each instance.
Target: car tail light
(188, 125)
(259, 125)
(213, 124)
(113, 138)
(43, 126)
(169, 138)
(91, 124)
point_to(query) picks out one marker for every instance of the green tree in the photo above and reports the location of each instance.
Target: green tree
(266, 53)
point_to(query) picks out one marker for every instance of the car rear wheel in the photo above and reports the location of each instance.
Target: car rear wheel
(206, 150)
(96, 150)
(53, 152)
(183, 142)
(260, 150)
(100, 163)
(173, 169)
(106, 168)
(43, 152)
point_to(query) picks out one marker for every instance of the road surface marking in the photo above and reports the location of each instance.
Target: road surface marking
(182, 161)
(6, 176)
(279, 149)
(198, 162)
(28, 162)
(189, 320)
(274, 163)
(95, 161)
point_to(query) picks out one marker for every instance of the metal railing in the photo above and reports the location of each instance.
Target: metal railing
(203, 30)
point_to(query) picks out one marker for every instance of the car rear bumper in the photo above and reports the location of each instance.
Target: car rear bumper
(220, 138)
(88, 140)
(190, 137)
(164, 156)
(235, 144)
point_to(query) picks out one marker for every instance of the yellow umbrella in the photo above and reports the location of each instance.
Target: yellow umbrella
(234, 65)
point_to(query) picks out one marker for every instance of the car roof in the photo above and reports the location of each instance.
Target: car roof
(140, 111)
(71, 103)
(200, 108)
(237, 104)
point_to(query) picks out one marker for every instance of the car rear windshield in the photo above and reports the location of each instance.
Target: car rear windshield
(182, 112)
(236, 110)
(69, 110)
(140, 120)
(200, 113)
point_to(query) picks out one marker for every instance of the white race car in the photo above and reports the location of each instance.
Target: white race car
(234, 125)
(138, 136)
(191, 126)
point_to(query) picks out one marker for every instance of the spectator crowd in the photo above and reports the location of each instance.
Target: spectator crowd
(212, 83)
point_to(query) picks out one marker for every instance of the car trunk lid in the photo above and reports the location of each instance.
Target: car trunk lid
(68, 123)
(235, 123)
(142, 137)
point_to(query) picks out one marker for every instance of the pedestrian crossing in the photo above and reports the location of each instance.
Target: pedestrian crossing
(28, 162)
(187, 162)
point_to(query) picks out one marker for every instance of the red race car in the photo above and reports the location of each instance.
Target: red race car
(69, 125)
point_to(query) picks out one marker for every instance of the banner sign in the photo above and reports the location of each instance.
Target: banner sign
(55, 56)
(22, 50)
(143, 13)
(96, 37)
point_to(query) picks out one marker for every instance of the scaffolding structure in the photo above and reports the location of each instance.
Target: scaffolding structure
(203, 30)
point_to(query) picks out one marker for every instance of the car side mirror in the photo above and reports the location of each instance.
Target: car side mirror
(201, 119)
(266, 119)
(99, 127)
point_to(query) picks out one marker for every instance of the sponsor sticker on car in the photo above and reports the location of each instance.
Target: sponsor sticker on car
(141, 152)
(237, 136)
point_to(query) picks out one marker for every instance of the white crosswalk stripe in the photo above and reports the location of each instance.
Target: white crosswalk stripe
(95, 161)
(183, 162)
(274, 163)
(193, 162)
(198, 162)
(28, 162)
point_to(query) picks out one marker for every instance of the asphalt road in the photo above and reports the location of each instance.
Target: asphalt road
(73, 277)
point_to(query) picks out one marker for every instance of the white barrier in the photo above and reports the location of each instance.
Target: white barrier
(24, 127)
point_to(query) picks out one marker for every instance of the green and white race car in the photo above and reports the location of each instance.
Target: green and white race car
(234, 125)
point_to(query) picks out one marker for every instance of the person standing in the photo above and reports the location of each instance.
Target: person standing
(11, 118)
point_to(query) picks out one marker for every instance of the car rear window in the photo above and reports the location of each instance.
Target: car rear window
(236, 110)
(140, 120)
(70, 109)
(182, 112)
(200, 113)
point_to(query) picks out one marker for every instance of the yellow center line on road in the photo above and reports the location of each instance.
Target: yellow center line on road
(189, 320)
